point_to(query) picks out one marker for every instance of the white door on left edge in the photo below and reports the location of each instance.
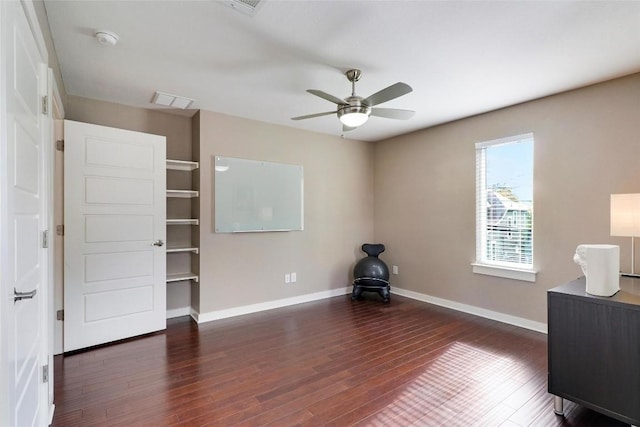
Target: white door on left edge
(115, 227)
(23, 269)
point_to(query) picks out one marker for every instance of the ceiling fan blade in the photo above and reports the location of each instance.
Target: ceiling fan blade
(310, 116)
(387, 94)
(392, 113)
(325, 95)
(346, 128)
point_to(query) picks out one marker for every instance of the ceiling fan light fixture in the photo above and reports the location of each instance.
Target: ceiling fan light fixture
(354, 111)
(354, 116)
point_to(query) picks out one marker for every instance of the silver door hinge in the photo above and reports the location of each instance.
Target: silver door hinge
(45, 105)
(45, 374)
(60, 315)
(45, 239)
(60, 145)
(60, 230)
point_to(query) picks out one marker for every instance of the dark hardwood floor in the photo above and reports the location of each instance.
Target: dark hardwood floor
(330, 362)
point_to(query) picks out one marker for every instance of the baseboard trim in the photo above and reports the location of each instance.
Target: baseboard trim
(470, 309)
(269, 305)
(194, 314)
(178, 312)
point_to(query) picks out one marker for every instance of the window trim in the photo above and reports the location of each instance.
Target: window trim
(524, 274)
(507, 270)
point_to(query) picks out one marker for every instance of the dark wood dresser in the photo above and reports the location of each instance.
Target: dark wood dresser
(594, 348)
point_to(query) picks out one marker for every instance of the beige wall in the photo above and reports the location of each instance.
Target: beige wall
(176, 128)
(249, 268)
(587, 146)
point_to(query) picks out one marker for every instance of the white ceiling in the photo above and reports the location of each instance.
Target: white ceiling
(461, 57)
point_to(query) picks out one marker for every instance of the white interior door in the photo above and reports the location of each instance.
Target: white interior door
(23, 219)
(115, 210)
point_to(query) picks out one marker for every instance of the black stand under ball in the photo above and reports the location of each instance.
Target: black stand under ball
(371, 273)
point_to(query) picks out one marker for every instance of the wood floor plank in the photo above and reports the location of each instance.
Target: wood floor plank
(332, 363)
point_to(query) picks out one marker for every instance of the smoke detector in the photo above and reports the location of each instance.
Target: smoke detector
(106, 38)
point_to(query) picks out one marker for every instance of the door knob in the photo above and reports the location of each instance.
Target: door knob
(158, 243)
(17, 296)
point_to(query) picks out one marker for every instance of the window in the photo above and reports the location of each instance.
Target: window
(504, 207)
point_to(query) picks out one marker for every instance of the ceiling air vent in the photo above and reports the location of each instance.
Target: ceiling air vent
(247, 7)
(168, 100)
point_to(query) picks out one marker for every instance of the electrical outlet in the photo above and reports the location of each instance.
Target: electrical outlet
(394, 269)
(293, 277)
(287, 278)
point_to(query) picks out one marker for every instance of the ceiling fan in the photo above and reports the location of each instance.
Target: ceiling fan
(355, 110)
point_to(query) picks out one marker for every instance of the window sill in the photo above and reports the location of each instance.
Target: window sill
(506, 272)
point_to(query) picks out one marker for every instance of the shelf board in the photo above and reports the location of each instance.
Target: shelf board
(178, 277)
(182, 193)
(183, 221)
(182, 165)
(175, 249)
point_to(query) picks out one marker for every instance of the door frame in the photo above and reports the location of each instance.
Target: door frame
(56, 250)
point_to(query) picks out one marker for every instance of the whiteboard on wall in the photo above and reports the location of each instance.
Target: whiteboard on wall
(253, 195)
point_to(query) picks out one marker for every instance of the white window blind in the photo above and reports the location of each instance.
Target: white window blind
(504, 202)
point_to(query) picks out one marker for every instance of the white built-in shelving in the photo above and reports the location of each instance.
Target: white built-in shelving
(175, 249)
(186, 194)
(187, 166)
(179, 277)
(183, 221)
(182, 165)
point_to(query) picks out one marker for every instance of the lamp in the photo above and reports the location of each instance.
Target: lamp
(354, 115)
(625, 221)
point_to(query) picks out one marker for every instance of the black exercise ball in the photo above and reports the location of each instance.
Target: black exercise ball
(371, 274)
(371, 270)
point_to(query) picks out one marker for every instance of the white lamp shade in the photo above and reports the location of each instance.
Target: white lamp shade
(625, 215)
